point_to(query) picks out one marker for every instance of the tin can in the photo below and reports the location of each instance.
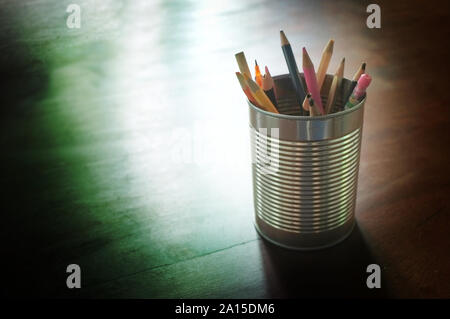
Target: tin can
(305, 170)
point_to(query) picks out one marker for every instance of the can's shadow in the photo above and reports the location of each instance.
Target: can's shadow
(339, 271)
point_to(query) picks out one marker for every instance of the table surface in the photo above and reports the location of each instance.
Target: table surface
(125, 149)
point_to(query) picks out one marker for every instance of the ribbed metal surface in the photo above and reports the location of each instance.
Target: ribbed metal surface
(312, 185)
(305, 170)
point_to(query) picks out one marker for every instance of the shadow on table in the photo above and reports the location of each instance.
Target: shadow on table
(339, 271)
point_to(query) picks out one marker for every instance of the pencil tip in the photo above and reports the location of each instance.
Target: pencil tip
(363, 66)
(330, 45)
(284, 40)
(256, 63)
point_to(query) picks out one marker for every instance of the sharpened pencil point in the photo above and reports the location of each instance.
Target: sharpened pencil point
(284, 40)
(361, 70)
(330, 45)
(306, 59)
(340, 69)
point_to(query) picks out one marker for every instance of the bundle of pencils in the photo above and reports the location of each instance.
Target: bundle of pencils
(262, 91)
(264, 99)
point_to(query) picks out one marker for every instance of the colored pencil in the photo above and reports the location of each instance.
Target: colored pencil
(293, 70)
(268, 87)
(260, 96)
(246, 89)
(258, 76)
(242, 63)
(306, 103)
(324, 62)
(311, 80)
(313, 111)
(359, 92)
(336, 86)
(267, 73)
(361, 70)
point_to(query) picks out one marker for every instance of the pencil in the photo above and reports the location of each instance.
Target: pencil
(268, 87)
(242, 63)
(311, 80)
(260, 96)
(306, 103)
(267, 73)
(293, 70)
(335, 86)
(258, 76)
(246, 89)
(313, 111)
(324, 62)
(361, 70)
(359, 92)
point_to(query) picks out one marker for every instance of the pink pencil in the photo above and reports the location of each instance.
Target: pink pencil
(311, 81)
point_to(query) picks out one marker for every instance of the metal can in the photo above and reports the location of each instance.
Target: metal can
(305, 170)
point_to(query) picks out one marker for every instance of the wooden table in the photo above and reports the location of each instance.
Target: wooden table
(125, 149)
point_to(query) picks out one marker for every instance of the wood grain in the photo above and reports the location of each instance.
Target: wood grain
(125, 149)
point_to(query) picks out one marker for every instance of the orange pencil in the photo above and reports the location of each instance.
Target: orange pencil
(258, 76)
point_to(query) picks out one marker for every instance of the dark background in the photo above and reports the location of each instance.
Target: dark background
(93, 122)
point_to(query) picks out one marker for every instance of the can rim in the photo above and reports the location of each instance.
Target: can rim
(307, 117)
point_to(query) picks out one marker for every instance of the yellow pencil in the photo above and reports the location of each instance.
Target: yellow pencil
(260, 96)
(360, 71)
(246, 89)
(324, 62)
(337, 80)
(242, 63)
